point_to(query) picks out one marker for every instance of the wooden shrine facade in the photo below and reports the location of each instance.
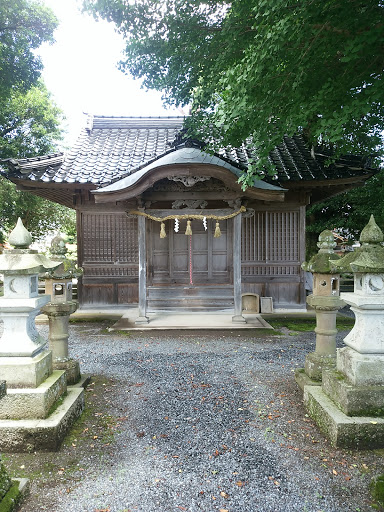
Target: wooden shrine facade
(272, 248)
(138, 188)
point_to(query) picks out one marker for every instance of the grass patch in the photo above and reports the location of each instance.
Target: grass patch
(307, 324)
(119, 332)
(106, 322)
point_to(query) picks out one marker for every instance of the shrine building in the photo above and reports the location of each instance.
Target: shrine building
(165, 225)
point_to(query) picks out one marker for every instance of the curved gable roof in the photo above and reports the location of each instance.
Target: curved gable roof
(174, 162)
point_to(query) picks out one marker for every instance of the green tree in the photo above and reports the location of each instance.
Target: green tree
(348, 213)
(29, 123)
(29, 119)
(39, 215)
(259, 69)
(24, 26)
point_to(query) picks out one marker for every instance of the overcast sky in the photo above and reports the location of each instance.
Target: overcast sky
(81, 71)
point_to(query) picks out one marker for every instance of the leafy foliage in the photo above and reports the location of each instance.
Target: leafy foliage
(349, 212)
(29, 123)
(257, 70)
(24, 26)
(29, 119)
(38, 215)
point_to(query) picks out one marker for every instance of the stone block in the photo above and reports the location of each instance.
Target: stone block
(353, 400)
(367, 335)
(266, 305)
(46, 434)
(34, 403)
(302, 379)
(343, 431)
(361, 369)
(72, 370)
(26, 372)
(316, 363)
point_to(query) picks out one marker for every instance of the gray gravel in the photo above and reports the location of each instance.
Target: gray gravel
(205, 421)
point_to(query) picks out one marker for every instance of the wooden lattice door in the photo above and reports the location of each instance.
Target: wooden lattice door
(189, 260)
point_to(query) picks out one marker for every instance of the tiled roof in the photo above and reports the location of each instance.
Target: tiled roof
(110, 148)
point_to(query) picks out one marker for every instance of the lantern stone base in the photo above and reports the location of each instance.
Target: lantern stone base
(311, 375)
(353, 400)
(72, 370)
(33, 403)
(26, 372)
(30, 435)
(316, 363)
(302, 379)
(343, 431)
(361, 369)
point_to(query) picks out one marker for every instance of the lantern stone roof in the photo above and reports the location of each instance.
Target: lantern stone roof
(110, 148)
(321, 263)
(369, 257)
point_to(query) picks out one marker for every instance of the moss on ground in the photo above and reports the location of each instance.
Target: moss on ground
(377, 490)
(307, 324)
(11, 499)
(93, 433)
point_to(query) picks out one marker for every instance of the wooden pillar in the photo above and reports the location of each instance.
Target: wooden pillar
(142, 318)
(238, 309)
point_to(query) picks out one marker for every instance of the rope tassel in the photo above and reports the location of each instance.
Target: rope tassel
(188, 231)
(217, 230)
(163, 234)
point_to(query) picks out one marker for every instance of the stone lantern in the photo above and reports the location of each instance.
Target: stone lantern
(27, 422)
(362, 360)
(350, 405)
(21, 302)
(325, 300)
(59, 286)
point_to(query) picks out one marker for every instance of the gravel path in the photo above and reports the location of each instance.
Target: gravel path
(195, 421)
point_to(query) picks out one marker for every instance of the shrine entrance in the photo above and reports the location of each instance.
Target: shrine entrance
(190, 272)
(194, 259)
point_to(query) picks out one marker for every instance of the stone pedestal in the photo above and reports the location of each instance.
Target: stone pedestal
(34, 390)
(349, 407)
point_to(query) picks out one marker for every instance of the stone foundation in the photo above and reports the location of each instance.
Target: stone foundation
(343, 431)
(72, 370)
(34, 403)
(42, 434)
(26, 372)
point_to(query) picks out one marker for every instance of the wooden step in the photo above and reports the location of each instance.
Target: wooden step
(190, 298)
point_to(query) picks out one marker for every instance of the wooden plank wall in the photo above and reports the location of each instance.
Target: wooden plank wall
(272, 253)
(109, 257)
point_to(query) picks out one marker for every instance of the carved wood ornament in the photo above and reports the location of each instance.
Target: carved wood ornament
(189, 181)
